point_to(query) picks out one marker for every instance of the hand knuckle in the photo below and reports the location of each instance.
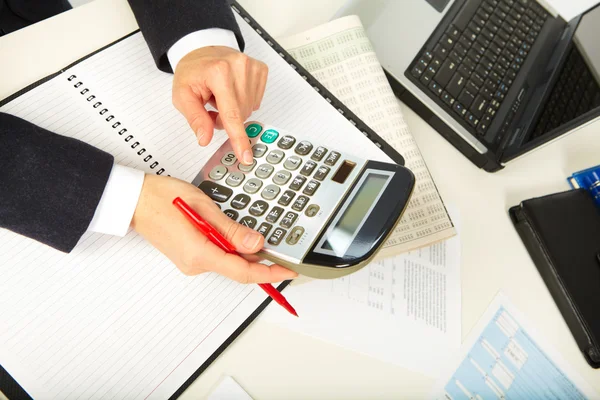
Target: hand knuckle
(231, 230)
(232, 115)
(222, 67)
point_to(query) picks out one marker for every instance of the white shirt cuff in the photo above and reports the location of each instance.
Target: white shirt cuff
(117, 205)
(199, 39)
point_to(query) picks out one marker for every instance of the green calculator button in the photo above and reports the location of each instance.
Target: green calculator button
(269, 136)
(253, 130)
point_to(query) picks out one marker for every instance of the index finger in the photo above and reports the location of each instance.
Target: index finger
(229, 111)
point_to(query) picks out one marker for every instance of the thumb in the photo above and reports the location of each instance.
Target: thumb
(244, 239)
(192, 108)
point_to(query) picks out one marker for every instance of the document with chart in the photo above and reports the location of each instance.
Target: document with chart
(340, 55)
(504, 359)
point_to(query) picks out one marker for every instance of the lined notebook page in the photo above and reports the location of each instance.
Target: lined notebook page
(114, 318)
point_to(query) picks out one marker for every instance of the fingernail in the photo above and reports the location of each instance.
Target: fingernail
(248, 157)
(251, 240)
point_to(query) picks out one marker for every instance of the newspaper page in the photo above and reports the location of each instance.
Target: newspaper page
(340, 55)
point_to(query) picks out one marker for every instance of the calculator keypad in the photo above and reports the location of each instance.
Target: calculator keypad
(279, 193)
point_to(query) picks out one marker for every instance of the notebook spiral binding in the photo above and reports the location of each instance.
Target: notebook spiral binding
(115, 124)
(331, 99)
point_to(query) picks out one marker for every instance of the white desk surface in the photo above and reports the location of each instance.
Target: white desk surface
(273, 363)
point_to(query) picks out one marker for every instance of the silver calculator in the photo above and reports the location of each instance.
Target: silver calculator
(323, 213)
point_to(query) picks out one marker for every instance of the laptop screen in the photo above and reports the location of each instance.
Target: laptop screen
(575, 95)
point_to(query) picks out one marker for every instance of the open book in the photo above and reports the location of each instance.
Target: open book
(341, 57)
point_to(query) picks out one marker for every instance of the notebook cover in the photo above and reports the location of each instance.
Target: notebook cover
(562, 235)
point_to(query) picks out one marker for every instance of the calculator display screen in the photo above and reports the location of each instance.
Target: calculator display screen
(340, 236)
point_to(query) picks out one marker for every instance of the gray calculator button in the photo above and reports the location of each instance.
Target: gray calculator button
(295, 235)
(215, 191)
(297, 182)
(252, 185)
(300, 203)
(319, 153)
(286, 142)
(247, 168)
(308, 168)
(258, 208)
(232, 214)
(259, 150)
(248, 221)
(281, 177)
(235, 178)
(270, 192)
(292, 163)
(321, 173)
(311, 188)
(264, 171)
(274, 214)
(286, 198)
(264, 229)
(275, 156)
(312, 210)
(303, 148)
(217, 172)
(277, 236)
(332, 158)
(288, 220)
(228, 159)
(240, 201)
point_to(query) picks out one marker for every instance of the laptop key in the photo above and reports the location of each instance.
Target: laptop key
(464, 41)
(482, 71)
(440, 52)
(504, 7)
(466, 98)
(489, 35)
(416, 72)
(524, 27)
(445, 72)
(426, 77)
(479, 105)
(471, 86)
(446, 98)
(495, 48)
(477, 80)
(435, 87)
(457, 83)
(490, 55)
(472, 119)
(487, 7)
(470, 35)
(453, 32)
(478, 48)
(459, 109)
(447, 41)
(465, 70)
(474, 27)
(484, 124)
(486, 93)
(475, 56)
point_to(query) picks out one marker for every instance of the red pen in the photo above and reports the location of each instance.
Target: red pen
(218, 239)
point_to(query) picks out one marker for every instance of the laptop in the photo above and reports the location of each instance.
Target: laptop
(496, 78)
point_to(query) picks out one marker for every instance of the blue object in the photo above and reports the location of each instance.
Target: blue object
(588, 179)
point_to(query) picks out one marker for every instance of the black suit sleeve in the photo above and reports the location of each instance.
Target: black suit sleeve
(50, 185)
(164, 22)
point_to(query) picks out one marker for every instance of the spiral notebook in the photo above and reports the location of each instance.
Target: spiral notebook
(115, 318)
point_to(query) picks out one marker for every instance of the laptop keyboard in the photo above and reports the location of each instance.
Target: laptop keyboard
(475, 62)
(575, 93)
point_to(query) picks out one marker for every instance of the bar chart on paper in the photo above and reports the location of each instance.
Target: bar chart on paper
(505, 362)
